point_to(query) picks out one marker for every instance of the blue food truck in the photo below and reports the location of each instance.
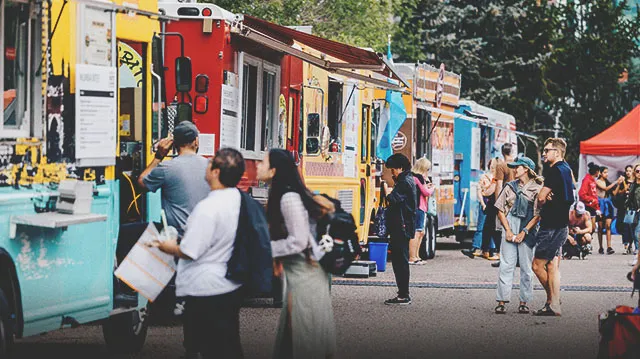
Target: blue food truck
(479, 133)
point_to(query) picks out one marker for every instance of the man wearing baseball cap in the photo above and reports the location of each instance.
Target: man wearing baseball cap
(182, 179)
(580, 229)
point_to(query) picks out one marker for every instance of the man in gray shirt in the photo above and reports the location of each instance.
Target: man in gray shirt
(182, 179)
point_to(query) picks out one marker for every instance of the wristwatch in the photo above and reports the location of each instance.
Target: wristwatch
(525, 230)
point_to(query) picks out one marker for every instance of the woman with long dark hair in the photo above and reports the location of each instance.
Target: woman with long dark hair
(604, 188)
(620, 195)
(306, 328)
(633, 204)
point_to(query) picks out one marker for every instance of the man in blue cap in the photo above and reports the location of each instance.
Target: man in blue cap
(182, 179)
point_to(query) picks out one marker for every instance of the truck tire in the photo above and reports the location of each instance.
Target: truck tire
(431, 247)
(126, 333)
(6, 329)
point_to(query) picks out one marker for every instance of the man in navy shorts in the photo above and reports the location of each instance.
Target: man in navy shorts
(554, 199)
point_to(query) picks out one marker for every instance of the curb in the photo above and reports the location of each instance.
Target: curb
(435, 285)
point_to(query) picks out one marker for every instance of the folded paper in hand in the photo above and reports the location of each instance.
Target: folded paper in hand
(147, 269)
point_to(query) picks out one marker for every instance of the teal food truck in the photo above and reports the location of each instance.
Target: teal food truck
(80, 118)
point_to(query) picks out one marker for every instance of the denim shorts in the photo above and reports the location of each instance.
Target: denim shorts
(420, 217)
(550, 242)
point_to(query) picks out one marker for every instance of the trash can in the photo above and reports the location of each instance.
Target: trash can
(378, 253)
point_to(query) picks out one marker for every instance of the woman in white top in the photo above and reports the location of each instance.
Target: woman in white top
(306, 328)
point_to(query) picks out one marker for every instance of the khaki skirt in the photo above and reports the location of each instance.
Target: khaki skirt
(307, 292)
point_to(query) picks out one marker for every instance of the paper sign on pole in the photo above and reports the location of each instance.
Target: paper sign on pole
(96, 115)
(207, 144)
(147, 269)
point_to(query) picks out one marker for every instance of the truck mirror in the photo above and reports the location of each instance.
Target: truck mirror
(183, 112)
(183, 74)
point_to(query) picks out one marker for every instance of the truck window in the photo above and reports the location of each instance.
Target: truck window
(364, 128)
(249, 99)
(375, 120)
(268, 118)
(334, 121)
(21, 65)
(260, 86)
(423, 125)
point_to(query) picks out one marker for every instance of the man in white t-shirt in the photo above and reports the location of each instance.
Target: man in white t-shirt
(212, 302)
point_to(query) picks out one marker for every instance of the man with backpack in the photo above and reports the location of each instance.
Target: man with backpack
(212, 300)
(401, 222)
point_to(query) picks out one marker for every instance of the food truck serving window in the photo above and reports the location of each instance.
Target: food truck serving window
(22, 86)
(260, 84)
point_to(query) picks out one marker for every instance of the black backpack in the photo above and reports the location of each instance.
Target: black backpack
(336, 233)
(251, 262)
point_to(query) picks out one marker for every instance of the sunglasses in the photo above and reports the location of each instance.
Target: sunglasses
(545, 150)
(637, 171)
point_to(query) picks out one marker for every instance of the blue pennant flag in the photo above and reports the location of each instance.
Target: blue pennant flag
(392, 117)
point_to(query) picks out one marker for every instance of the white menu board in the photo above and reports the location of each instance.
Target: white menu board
(229, 123)
(96, 115)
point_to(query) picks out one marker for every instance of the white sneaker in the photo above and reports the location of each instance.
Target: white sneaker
(634, 261)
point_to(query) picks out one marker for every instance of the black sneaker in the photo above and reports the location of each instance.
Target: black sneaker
(496, 264)
(610, 250)
(601, 250)
(398, 301)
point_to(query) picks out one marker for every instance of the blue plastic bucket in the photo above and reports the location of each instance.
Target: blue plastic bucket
(378, 253)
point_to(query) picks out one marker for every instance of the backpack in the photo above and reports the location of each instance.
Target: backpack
(251, 262)
(337, 238)
(380, 220)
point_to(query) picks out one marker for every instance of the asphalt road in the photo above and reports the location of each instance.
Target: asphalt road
(451, 317)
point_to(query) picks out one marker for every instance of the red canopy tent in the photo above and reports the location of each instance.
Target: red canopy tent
(615, 147)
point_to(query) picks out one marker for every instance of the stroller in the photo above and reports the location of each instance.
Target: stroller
(620, 330)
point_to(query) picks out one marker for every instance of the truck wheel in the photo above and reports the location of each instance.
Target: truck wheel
(6, 331)
(431, 247)
(126, 333)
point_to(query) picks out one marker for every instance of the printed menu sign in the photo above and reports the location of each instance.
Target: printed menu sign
(229, 117)
(96, 115)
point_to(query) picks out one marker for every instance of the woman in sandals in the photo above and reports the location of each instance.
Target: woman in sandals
(306, 328)
(424, 189)
(519, 216)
